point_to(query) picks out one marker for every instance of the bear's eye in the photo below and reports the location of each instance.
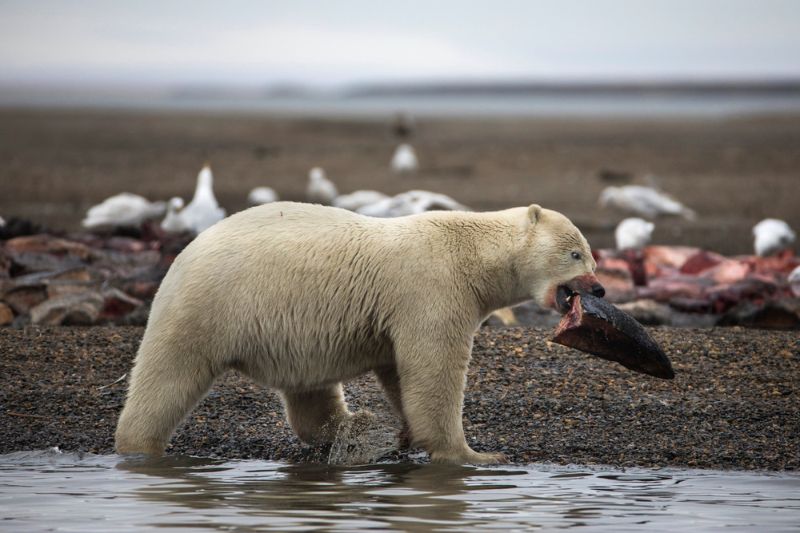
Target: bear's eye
(576, 256)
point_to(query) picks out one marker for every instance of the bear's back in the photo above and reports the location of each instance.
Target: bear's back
(299, 280)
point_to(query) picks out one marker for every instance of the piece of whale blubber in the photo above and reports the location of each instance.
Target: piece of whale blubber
(594, 326)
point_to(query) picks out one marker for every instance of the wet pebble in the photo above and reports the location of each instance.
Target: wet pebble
(733, 403)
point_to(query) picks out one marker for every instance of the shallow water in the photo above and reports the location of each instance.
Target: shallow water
(50, 490)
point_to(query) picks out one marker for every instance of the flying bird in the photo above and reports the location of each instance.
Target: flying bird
(772, 236)
(644, 202)
(320, 189)
(403, 125)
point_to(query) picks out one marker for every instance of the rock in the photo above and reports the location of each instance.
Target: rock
(38, 253)
(80, 274)
(648, 312)
(125, 265)
(42, 279)
(689, 304)
(73, 306)
(6, 315)
(5, 264)
(44, 243)
(117, 304)
(61, 287)
(23, 299)
(776, 314)
(29, 262)
(81, 308)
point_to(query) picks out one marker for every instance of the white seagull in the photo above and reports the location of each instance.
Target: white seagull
(404, 159)
(411, 203)
(262, 195)
(771, 236)
(320, 189)
(122, 210)
(358, 199)
(203, 211)
(173, 222)
(633, 233)
(643, 201)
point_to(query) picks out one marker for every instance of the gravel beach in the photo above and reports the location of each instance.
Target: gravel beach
(732, 405)
(734, 402)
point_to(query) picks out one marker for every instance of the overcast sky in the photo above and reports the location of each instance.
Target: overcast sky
(331, 43)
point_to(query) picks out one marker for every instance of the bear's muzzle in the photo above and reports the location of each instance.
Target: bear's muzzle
(586, 284)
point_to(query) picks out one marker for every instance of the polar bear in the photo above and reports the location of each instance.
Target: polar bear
(302, 297)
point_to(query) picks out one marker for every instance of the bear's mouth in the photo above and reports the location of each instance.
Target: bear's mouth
(564, 299)
(565, 292)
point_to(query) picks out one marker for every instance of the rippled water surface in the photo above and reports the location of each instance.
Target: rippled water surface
(50, 490)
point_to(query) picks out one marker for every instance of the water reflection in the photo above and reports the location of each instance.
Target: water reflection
(70, 492)
(394, 495)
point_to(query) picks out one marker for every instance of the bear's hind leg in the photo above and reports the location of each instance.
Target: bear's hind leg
(390, 381)
(160, 394)
(315, 415)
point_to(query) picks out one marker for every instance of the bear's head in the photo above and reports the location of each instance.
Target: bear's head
(556, 261)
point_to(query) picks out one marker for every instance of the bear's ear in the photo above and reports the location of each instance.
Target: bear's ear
(534, 214)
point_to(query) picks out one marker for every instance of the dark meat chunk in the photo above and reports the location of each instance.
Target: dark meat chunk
(594, 326)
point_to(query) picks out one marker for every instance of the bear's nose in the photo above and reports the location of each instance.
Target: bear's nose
(598, 290)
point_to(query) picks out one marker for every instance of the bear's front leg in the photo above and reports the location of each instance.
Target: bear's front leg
(433, 371)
